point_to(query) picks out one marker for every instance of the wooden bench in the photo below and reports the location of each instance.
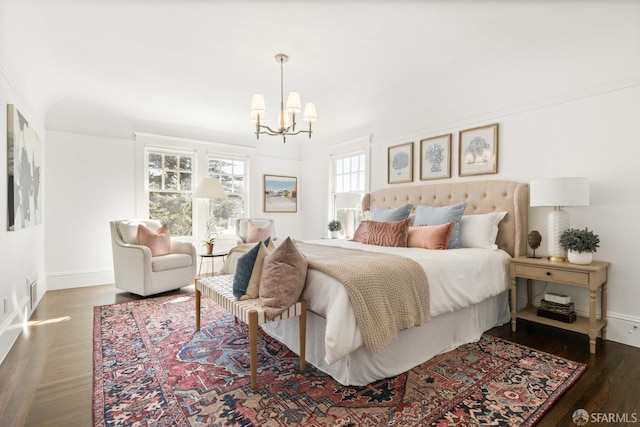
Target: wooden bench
(220, 290)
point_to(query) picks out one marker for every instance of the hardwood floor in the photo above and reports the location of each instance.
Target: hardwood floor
(46, 379)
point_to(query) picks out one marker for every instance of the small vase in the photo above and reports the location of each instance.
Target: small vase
(335, 234)
(583, 258)
(209, 249)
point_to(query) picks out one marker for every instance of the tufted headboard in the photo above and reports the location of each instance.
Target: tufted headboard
(481, 197)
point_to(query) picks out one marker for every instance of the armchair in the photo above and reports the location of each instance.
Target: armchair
(242, 228)
(138, 272)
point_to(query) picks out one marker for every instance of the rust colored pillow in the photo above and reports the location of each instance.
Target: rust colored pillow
(361, 233)
(387, 233)
(159, 241)
(430, 236)
(284, 273)
(256, 234)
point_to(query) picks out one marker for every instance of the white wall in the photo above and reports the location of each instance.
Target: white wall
(592, 133)
(21, 251)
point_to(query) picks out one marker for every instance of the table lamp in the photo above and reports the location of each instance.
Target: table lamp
(210, 188)
(558, 193)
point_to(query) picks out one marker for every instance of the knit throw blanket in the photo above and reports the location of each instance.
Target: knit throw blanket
(388, 292)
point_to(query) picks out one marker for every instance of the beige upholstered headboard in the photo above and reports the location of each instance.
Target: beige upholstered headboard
(481, 197)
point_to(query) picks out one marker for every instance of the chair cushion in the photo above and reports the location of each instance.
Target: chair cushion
(170, 261)
(257, 233)
(284, 273)
(159, 241)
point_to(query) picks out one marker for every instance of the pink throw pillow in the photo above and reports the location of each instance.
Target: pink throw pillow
(387, 233)
(159, 241)
(257, 234)
(430, 236)
(361, 233)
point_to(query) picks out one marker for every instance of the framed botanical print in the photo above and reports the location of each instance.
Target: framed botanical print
(280, 193)
(400, 163)
(435, 157)
(478, 154)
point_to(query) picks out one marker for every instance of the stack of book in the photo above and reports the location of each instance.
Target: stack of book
(558, 307)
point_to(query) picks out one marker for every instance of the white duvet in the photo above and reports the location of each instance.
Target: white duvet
(457, 278)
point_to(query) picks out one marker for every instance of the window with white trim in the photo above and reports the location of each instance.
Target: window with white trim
(170, 185)
(349, 182)
(232, 174)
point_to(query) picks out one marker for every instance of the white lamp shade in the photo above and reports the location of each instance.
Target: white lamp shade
(257, 103)
(348, 200)
(310, 114)
(209, 188)
(293, 103)
(255, 114)
(559, 192)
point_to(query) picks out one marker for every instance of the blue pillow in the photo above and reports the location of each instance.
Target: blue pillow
(429, 215)
(244, 268)
(390, 215)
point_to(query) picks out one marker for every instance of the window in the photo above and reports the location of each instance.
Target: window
(349, 187)
(231, 172)
(170, 184)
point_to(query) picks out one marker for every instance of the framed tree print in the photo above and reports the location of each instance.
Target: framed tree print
(280, 193)
(435, 157)
(400, 163)
(478, 153)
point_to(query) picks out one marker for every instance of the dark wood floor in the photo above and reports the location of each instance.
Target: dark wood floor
(46, 380)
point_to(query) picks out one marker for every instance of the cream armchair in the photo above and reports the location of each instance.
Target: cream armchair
(140, 273)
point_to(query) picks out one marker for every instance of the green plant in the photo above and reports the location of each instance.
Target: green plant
(211, 240)
(335, 225)
(580, 240)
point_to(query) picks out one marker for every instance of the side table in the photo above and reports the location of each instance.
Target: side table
(213, 256)
(592, 277)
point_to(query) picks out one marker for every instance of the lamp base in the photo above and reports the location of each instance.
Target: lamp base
(557, 223)
(557, 259)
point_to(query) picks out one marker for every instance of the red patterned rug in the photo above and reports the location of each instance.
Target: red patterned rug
(151, 369)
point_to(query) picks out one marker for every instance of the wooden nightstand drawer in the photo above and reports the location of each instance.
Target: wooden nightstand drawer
(552, 275)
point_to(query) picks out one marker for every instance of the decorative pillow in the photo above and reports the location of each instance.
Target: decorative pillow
(387, 233)
(429, 215)
(244, 269)
(253, 288)
(159, 241)
(284, 273)
(390, 215)
(430, 236)
(480, 231)
(361, 232)
(257, 233)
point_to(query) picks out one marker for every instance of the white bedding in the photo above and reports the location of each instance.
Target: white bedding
(458, 278)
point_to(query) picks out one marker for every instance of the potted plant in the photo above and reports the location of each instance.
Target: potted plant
(209, 242)
(580, 245)
(334, 227)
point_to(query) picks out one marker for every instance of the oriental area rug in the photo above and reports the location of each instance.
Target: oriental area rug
(151, 369)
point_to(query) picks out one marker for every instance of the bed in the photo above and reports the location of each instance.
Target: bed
(468, 287)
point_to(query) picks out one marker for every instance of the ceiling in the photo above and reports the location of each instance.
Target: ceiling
(189, 67)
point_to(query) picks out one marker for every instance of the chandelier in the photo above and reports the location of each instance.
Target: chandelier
(286, 126)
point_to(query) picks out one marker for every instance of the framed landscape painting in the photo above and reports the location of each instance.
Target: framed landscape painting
(435, 157)
(400, 163)
(280, 193)
(478, 153)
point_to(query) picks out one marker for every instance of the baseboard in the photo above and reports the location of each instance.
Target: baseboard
(620, 327)
(79, 279)
(12, 327)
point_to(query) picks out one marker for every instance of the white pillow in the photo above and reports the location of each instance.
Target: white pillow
(480, 231)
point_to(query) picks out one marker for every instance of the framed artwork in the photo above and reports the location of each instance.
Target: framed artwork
(435, 157)
(478, 153)
(280, 193)
(24, 167)
(400, 163)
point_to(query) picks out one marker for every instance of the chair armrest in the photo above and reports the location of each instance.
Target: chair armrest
(182, 247)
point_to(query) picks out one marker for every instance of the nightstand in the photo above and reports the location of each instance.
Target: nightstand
(591, 277)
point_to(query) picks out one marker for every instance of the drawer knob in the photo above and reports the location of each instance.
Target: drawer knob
(548, 273)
